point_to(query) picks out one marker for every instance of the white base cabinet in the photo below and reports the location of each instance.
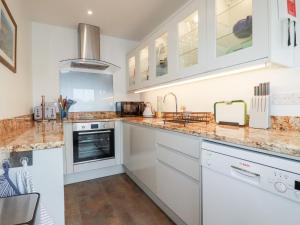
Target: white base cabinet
(167, 163)
(140, 154)
(47, 175)
(179, 192)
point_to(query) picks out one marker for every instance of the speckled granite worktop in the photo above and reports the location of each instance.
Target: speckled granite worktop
(285, 143)
(33, 136)
(92, 120)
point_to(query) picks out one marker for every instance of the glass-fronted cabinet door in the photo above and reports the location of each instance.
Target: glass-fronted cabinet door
(132, 71)
(161, 56)
(234, 26)
(144, 64)
(188, 41)
(237, 31)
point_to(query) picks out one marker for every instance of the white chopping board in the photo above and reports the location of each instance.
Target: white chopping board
(233, 112)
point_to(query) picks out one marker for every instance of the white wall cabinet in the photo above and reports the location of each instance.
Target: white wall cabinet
(245, 31)
(167, 164)
(131, 71)
(237, 32)
(164, 55)
(190, 28)
(210, 36)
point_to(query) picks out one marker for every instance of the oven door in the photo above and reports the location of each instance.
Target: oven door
(93, 145)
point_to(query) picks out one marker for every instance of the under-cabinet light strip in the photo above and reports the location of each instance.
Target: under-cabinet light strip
(221, 74)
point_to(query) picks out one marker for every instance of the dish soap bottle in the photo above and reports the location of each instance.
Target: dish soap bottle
(159, 106)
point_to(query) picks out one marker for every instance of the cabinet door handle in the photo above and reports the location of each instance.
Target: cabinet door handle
(295, 34)
(178, 171)
(289, 32)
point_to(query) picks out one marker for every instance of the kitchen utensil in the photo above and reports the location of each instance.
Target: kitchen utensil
(64, 106)
(260, 107)
(148, 113)
(231, 113)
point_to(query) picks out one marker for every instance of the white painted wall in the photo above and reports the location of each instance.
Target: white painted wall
(50, 44)
(15, 89)
(202, 95)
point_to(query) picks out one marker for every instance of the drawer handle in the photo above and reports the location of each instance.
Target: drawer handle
(178, 171)
(177, 151)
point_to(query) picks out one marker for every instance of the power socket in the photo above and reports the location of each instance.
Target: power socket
(292, 98)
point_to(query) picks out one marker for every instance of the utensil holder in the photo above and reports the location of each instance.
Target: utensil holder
(260, 112)
(64, 114)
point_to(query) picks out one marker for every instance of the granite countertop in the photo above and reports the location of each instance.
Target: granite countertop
(284, 143)
(93, 120)
(38, 136)
(33, 136)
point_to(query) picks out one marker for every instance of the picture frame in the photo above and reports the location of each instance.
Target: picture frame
(8, 38)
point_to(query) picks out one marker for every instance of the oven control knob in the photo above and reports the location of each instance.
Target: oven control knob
(280, 187)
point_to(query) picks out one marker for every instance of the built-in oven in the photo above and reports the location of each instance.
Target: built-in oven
(93, 141)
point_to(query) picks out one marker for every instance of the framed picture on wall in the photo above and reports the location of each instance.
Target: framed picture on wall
(8, 38)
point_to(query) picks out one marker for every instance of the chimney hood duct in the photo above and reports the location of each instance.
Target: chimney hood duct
(89, 53)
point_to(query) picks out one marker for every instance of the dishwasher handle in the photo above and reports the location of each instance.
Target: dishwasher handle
(245, 175)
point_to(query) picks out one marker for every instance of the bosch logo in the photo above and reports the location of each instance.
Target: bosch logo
(245, 164)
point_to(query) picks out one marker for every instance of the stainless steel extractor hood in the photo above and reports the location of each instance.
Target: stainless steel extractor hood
(89, 53)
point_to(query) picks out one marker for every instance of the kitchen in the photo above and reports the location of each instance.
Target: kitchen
(185, 109)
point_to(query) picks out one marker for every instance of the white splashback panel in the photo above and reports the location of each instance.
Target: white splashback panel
(201, 96)
(92, 92)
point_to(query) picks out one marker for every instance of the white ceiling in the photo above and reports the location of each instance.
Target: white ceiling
(128, 19)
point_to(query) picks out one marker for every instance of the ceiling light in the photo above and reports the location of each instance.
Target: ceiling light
(216, 75)
(90, 12)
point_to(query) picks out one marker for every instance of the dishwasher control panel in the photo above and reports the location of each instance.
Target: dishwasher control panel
(280, 182)
(284, 182)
